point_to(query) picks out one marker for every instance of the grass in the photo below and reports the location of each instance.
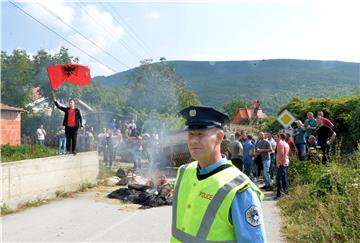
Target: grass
(63, 194)
(11, 153)
(323, 204)
(30, 204)
(85, 186)
(5, 209)
(105, 172)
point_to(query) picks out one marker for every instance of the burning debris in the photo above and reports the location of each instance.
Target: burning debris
(151, 194)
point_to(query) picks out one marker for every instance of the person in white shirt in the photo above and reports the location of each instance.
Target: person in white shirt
(41, 133)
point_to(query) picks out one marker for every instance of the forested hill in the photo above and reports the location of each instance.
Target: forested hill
(274, 82)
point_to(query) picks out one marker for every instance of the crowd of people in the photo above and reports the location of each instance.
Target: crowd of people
(268, 155)
(116, 139)
(308, 140)
(125, 140)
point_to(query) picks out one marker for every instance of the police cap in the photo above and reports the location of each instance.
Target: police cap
(202, 117)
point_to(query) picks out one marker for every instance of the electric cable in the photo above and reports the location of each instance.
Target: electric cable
(105, 27)
(94, 43)
(59, 35)
(129, 29)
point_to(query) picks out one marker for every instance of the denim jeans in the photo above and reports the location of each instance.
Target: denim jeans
(62, 145)
(282, 179)
(266, 174)
(272, 170)
(301, 148)
(250, 171)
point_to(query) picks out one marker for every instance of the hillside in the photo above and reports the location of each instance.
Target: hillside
(271, 81)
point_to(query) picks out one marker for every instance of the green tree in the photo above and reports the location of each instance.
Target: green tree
(354, 123)
(186, 97)
(157, 87)
(17, 78)
(105, 99)
(344, 112)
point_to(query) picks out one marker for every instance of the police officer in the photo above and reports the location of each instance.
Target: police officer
(213, 200)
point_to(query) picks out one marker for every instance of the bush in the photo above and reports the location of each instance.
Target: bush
(323, 202)
(25, 151)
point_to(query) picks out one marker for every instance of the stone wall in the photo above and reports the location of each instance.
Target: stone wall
(29, 180)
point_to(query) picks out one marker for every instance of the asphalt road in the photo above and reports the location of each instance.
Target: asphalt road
(90, 217)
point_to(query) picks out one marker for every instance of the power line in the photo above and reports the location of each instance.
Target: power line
(130, 31)
(47, 27)
(134, 69)
(94, 43)
(105, 27)
(130, 34)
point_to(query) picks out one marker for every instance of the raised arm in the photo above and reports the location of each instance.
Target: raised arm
(60, 107)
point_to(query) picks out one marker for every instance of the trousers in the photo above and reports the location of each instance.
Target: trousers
(71, 136)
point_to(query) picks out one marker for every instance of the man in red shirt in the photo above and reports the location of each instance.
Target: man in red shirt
(326, 122)
(290, 143)
(72, 122)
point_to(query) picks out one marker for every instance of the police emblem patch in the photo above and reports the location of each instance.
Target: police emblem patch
(192, 113)
(253, 216)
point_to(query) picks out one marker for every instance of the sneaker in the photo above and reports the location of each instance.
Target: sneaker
(277, 197)
(264, 187)
(74, 153)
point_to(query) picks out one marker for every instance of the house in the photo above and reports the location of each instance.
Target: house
(244, 114)
(42, 105)
(10, 124)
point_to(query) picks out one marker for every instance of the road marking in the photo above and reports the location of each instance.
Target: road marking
(108, 229)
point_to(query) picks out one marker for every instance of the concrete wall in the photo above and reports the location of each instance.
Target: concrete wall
(10, 127)
(28, 180)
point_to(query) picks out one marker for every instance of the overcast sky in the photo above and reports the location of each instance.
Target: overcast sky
(122, 33)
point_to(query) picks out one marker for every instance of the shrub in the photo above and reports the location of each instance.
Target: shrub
(25, 151)
(323, 203)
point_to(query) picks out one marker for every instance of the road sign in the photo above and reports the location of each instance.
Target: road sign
(286, 119)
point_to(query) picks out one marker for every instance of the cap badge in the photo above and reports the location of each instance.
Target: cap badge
(192, 113)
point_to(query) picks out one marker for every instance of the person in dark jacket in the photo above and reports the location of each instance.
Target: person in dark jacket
(72, 122)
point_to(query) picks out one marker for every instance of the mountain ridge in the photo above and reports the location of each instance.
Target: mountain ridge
(272, 81)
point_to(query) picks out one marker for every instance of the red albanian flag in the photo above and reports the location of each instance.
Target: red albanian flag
(72, 73)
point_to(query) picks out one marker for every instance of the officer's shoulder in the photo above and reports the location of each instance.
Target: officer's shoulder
(188, 165)
(181, 167)
(243, 188)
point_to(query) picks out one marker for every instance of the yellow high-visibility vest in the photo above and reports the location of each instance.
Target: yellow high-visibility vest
(201, 207)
